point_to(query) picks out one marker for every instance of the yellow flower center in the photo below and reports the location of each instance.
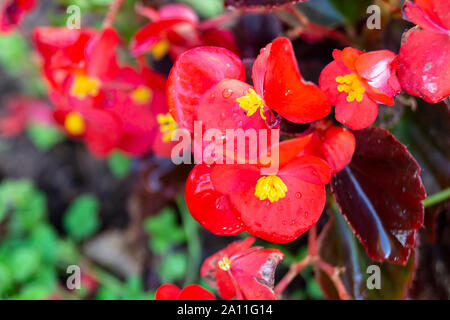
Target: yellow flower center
(160, 49)
(251, 102)
(351, 85)
(225, 264)
(83, 86)
(270, 187)
(167, 125)
(74, 123)
(142, 95)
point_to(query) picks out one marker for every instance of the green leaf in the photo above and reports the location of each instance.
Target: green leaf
(119, 164)
(164, 231)
(173, 267)
(24, 262)
(81, 218)
(27, 204)
(205, 9)
(44, 137)
(350, 9)
(45, 241)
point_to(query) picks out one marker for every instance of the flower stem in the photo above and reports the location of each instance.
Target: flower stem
(313, 258)
(113, 10)
(437, 198)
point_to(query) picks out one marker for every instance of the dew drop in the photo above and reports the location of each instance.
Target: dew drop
(226, 93)
(298, 195)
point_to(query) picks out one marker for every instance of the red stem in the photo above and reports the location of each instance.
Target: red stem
(113, 10)
(313, 258)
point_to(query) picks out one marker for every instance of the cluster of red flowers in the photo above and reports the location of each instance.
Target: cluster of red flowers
(111, 105)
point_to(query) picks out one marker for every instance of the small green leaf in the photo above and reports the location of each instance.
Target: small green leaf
(119, 164)
(81, 218)
(173, 267)
(350, 9)
(164, 231)
(44, 137)
(206, 9)
(24, 262)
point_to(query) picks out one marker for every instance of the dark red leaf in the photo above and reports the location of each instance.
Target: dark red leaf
(381, 195)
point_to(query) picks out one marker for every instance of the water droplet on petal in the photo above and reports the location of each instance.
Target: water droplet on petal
(226, 93)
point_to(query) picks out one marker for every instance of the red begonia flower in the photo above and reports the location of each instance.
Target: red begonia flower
(170, 291)
(174, 29)
(210, 78)
(356, 82)
(424, 58)
(334, 144)
(243, 271)
(12, 13)
(277, 207)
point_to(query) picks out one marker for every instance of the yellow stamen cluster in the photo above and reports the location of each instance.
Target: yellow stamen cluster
(167, 125)
(270, 187)
(160, 49)
(351, 85)
(224, 264)
(83, 86)
(74, 123)
(251, 102)
(142, 95)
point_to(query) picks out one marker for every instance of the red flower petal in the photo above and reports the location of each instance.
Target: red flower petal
(195, 72)
(167, 291)
(152, 33)
(424, 61)
(229, 179)
(378, 68)
(178, 10)
(101, 54)
(286, 219)
(336, 145)
(218, 109)
(347, 58)
(103, 130)
(254, 273)
(286, 92)
(433, 15)
(209, 207)
(308, 168)
(195, 292)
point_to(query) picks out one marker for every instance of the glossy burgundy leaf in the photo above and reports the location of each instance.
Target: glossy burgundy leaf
(338, 247)
(209, 207)
(258, 3)
(381, 195)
